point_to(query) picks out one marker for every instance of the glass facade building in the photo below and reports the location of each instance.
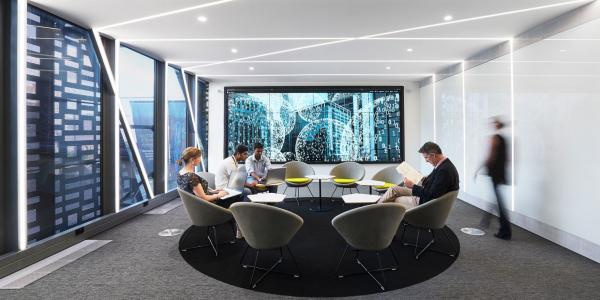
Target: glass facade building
(63, 126)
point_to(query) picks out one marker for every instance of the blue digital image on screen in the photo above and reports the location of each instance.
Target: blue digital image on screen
(318, 127)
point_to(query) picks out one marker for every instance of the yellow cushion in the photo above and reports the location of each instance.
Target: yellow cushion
(344, 180)
(387, 185)
(260, 186)
(297, 180)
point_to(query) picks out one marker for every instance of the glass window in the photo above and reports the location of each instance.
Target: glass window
(136, 89)
(63, 126)
(131, 186)
(177, 127)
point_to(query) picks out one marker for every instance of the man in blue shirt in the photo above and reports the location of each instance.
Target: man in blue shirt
(257, 166)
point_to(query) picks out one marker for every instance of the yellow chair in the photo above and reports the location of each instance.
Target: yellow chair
(346, 175)
(295, 172)
(390, 176)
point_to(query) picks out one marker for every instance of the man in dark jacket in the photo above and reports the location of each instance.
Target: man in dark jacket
(443, 179)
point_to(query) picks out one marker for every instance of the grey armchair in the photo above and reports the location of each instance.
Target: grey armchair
(295, 177)
(369, 228)
(430, 216)
(266, 227)
(205, 214)
(346, 175)
(389, 176)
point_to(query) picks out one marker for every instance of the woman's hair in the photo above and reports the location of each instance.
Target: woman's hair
(188, 154)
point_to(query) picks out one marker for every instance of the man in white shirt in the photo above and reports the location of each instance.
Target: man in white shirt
(257, 167)
(229, 166)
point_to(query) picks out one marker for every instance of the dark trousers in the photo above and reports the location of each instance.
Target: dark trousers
(504, 223)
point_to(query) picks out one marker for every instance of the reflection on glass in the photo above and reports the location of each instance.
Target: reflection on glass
(63, 126)
(131, 186)
(136, 84)
(202, 119)
(177, 127)
(329, 127)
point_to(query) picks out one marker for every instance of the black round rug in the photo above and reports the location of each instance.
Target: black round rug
(317, 248)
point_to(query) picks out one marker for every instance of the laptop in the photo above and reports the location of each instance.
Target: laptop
(235, 185)
(275, 176)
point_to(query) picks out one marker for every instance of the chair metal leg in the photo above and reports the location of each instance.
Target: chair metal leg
(311, 194)
(212, 242)
(340, 262)
(417, 243)
(426, 246)
(403, 232)
(297, 195)
(381, 268)
(356, 188)
(254, 268)
(295, 262)
(285, 189)
(269, 270)
(449, 242)
(331, 197)
(395, 259)
(243, 256)
(234, 227)
(367, 270)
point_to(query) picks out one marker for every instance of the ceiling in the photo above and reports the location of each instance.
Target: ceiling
(310, 40)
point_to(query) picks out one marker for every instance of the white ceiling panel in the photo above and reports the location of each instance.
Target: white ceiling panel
(159, 27)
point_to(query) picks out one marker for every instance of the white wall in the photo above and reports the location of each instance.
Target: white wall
(412, 126)
(556, 103)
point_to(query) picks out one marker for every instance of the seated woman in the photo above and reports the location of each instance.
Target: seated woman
(190, 182)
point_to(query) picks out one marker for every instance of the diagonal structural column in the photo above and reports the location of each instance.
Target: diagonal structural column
(113, 87)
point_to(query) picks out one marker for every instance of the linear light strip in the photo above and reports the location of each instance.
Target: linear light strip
(433, 78)
(22, 123)
(322, 61)
(464, 114)
(401, 31)
(116, 139)
(315, 39)
(195, 97)
(512, 124)
(166, 126)
(292, 75)
(177, 11)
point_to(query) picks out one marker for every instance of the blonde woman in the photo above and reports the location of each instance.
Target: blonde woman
(190, 182)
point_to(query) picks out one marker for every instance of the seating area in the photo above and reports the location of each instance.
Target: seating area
(269, 226)
(351, 250)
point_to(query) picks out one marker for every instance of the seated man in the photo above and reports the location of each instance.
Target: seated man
(229, 166)
(257, 167)
(443, 179)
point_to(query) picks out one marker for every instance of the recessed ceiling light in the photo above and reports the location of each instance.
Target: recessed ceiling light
(202, 19)
(251, 68)
(563, 50)
(388, 68)
(233, 50)
(448, 18)
(409, 50)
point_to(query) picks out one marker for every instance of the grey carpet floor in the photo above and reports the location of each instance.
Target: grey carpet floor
(139, 264)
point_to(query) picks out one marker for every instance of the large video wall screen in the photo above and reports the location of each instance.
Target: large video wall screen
(317, 124)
